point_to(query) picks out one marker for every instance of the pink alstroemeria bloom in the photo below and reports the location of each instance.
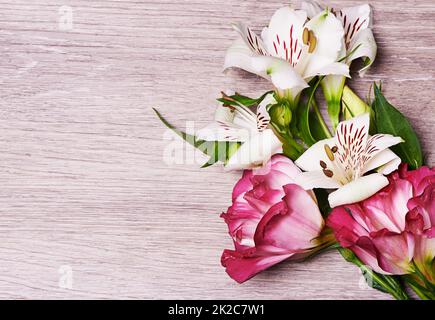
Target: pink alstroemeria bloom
(393, 231)
(271, 219)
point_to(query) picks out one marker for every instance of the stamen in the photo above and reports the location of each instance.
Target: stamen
(306, 36)
(323, 164)
(313, 42)
(329, 152)
(334, 149)
(328, 173)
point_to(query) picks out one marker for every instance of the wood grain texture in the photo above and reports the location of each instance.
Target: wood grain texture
(83, 181)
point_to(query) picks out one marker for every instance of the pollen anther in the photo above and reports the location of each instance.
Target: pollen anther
(313, 42)
(328, 173)
(329, 153)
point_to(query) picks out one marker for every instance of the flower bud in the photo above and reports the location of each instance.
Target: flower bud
(281, 115)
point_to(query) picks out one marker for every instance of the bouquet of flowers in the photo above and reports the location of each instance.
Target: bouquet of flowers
(354, 182)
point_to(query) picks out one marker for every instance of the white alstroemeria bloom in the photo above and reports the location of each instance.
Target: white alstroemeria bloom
(358, 37)
(239, 124)
(359, 42)
(341, 162)
(291, 51)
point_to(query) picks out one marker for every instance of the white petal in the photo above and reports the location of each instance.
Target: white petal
(329, 32)
(363, 46)
(377, 144)
(355, 19)
(284, 35)
(390, 166)
(312, 8)
(263, 117)
(316, 179)
(385, 161)
(217, 132)
(358, 190)
(228, 126)
(282, 74)
(239, 55)
(251, 39)
(255, 152)
(310, 159)
(351, 139)
(319, 66)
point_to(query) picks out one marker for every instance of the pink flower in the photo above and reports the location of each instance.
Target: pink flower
(393, 231)
(271, 219)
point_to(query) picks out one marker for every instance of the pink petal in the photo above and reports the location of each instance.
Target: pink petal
(425, 205)
(291, 224)
(419, 178)
(243, 185)
(245, 265)
(395, 251)
(242, 220)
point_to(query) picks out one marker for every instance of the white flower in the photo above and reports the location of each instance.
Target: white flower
(358, 37)
(341, 162)
(359, 42)
(239, 124)
(291, 51)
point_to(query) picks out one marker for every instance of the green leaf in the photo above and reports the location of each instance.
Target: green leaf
(217, 150)
(309, 121)
(389, 120)
(240, 99)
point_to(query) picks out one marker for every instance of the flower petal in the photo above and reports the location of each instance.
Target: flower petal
(354, 19)
(310, 159)
(363, 46)
(358, 190)
(312, 8)
(395, 251)
(284, 36)
(256, 151)
(241, 266)
(351, 139)
(378, 143)
(239, 55)
(424, 204)
(281, 73)
(224, 128)
(329, 32)
(291, 225)
(251, 39)
(317, 179)
(263, 117)
(385, 161)
(350, 234)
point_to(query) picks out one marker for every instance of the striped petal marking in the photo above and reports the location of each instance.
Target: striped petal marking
(353, 23)
(251, 39)
(289, 49)
(353, 149)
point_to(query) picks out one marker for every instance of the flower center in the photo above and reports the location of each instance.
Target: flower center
(336, 170)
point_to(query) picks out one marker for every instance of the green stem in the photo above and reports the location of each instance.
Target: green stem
(321, 120)
(311, 101)
(390, 286)
(418, 290)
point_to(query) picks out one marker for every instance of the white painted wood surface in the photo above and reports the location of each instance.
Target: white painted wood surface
(83, 182)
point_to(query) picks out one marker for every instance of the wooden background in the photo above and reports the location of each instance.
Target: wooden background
(83, 181)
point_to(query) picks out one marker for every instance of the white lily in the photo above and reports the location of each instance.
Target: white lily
(239, 124)
(291, 51)
(359, 42)
(341, 162)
